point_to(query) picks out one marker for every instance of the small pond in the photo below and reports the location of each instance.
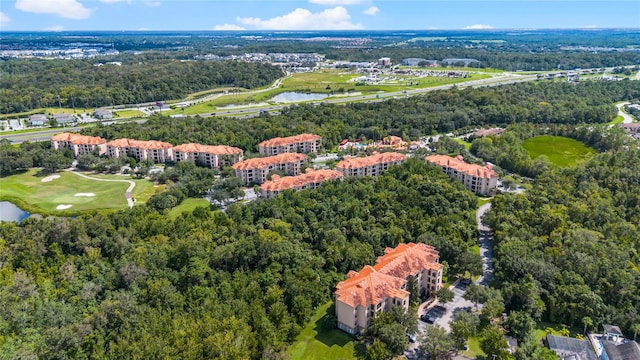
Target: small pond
(10, 212)
(286, 97)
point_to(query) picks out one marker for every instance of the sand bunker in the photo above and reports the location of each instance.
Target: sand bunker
(62, 207)
(85, 194)
(50, 178)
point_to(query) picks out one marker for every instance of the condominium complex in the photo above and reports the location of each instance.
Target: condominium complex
(156, 151)
(371, 165)
(79, 144)
(377, 288)
(256, 170)
(311, 179)
(303, 143)
(214, 156)
(479, 179)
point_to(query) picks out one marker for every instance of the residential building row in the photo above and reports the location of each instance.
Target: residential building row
(479, 179)
(610, 345)
(154, 150)
(303, 143)
(375, 289)
(371, 165)
(311, 179)
(257, 170)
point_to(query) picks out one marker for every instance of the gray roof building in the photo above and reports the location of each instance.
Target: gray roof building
(571, 349)
(64, 118)
(627, 350)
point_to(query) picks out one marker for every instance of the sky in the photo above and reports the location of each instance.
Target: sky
(143, 15)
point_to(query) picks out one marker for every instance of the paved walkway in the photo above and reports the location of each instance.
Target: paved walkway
(127, 193)
(627, 118)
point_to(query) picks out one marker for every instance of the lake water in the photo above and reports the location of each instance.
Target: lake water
(10, 212)
(286, 97)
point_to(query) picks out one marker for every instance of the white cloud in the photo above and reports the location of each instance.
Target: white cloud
(336, 2)
(4, 20)
(372, 10)
(113, 1)
(337, 18)
(54, 28)
(70, 9)
(228, 27)
(478, 27)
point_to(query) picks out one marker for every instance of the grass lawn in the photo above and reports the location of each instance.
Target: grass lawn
(128, 113)
(560, 151)
(474, 348)
(544, 328)
(187, 206)
(316, 342)
(616, 121)
(467, 145)
(141, 193)
(482, 201)
(28, 192)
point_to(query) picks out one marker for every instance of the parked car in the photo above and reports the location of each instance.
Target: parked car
(412, 338)
(465, 281)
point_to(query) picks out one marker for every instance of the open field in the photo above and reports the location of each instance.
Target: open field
(187, 206)
(321, 82)
(128, 113)
(317, 342)
(29, 192)
(465, 69)
(560, 151)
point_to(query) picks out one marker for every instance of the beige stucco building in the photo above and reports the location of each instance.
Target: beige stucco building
(377, 288)
(479, 179)
(310, 179)
(79, 144)
(371, 165)
(303, 143)
(214, 156)
(256, 170)
(156, 151)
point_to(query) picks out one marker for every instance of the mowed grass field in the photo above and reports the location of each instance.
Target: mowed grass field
(317, 342)
(28, 192)
(560, 151)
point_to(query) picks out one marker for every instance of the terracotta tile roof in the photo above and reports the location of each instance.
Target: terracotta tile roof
(148, 145)
(258, 163)
(209, 149)
(485, 132)
(391, 141)
(369, 287)
(385, 279)
(278, 183)
(290, 140)
(79, 139)
(458, 164)
(359, 162)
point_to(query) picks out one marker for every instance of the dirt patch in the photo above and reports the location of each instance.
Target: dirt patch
(85, 195)
(62, 207)
(50, 178)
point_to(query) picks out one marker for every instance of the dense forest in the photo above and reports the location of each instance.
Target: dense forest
(568, 250)
(32, 84)
(135, 284)
(541, 102)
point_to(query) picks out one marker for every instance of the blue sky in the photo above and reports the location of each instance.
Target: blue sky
(21, 15)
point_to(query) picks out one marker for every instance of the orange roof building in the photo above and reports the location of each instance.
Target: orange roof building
(79, 144)
(377, 288)
(479, 179)
(256, 170)
(311, 179)
(371, 165)
(154, 150)
(391, 141)
(303, 143)
(214, 156)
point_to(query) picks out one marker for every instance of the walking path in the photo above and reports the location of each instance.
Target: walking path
(127, 193)
(486, 248)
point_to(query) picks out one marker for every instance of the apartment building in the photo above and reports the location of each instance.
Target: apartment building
(377, 288)
(79, 144)
(303, 143)
(154, 150)
(311, 179)
(479, 179)
(214, 156)
(371, 165)
(256, 170)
